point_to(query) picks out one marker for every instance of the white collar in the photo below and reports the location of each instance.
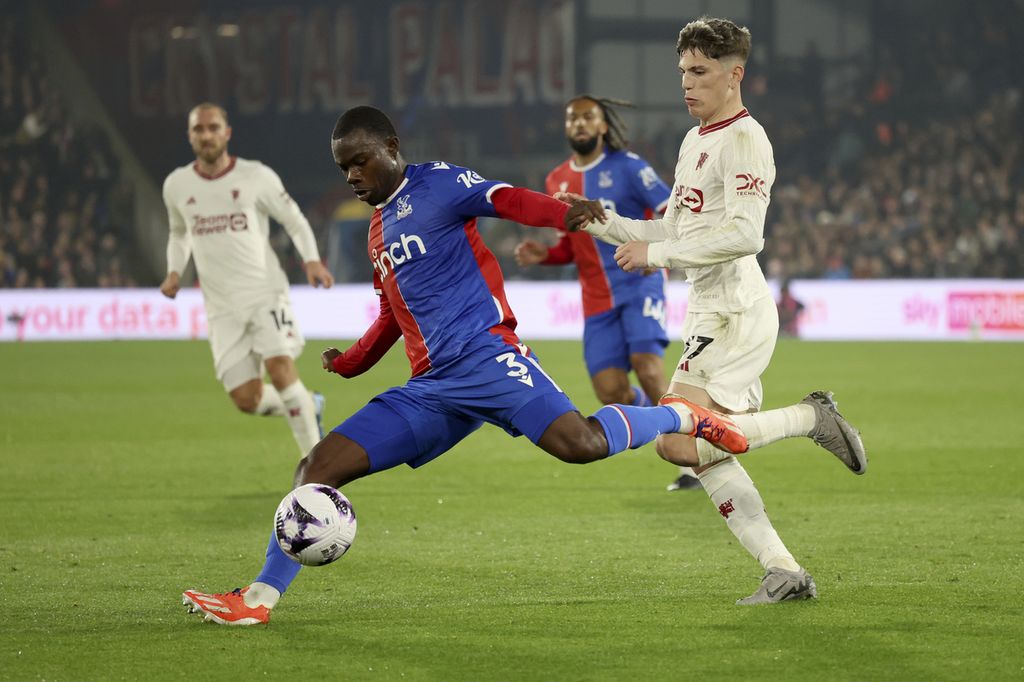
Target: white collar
(387, 201)
(581, 169)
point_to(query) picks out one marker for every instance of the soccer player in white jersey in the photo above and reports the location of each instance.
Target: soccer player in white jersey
(712, 229)
(218, 209)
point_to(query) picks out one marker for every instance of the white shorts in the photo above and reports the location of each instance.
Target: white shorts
(726, 353)
(240, 341)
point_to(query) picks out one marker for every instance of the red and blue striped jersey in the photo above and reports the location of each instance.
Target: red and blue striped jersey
(443, 284)
(625, 183)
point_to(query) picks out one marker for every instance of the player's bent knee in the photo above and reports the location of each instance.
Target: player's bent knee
(677, 449)
(247, 403)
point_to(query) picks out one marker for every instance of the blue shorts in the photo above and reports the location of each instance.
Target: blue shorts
(635, 326)
(495, 383)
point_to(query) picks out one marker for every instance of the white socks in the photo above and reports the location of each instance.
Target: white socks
(270, 402)
(261, 594)
(737, 500)
(762, 428)
(301, 414)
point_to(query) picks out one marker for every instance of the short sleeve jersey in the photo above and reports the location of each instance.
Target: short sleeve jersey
(624, 182)
(444, 285)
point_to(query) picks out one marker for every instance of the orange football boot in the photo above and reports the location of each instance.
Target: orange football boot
(714, 427)
(225, 609)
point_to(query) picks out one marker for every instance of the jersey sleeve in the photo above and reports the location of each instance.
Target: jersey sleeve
(278, 204)
(561, 253)
(748, 171)
(374, 343)
(646, 184)
(179, 242)
(463, 191)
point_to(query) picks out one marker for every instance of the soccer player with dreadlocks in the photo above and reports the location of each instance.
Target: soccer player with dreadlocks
(624, 312)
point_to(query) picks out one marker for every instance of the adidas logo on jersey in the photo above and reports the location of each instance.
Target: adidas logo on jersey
(396, 253)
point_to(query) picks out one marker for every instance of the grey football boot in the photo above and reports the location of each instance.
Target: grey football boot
(778, 584)
(835, 434)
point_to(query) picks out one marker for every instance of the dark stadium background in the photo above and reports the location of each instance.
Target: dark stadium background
(895, 125)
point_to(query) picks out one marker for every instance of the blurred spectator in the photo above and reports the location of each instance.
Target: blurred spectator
(789, 312)
(55, 182)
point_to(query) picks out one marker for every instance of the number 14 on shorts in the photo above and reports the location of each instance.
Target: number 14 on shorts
(281, 318)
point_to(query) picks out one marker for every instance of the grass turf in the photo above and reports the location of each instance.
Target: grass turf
(127, 477)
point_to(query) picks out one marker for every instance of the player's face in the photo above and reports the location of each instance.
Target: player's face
(708, 84)
(584, 125)
(208, 133)
(371, 166)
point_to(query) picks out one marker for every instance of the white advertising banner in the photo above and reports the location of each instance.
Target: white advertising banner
(833, 310)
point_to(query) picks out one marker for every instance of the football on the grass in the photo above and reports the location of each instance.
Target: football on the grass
(315, 524)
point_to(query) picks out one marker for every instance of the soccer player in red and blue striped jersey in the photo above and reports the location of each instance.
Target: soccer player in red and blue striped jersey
(442, 290)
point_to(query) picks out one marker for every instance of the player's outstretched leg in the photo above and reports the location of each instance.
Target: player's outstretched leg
(778, 584)
(815, 417)
(630, 427)
(335, 460)
(706, 424)
(832, 432)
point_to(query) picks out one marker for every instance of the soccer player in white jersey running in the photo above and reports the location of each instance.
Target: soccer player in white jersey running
(712, 229)
(218, 210)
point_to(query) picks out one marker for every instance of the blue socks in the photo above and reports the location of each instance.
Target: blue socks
(280, 569)
(640, 398)
(626, 426)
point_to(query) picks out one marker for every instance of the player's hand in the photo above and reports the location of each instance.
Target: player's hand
(327, 358)
(317, 274)
(632, 256)
(582, 211)
(171, 285)
(530, 252)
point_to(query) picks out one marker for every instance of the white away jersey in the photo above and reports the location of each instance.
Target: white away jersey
(222, 221)
(714, 224)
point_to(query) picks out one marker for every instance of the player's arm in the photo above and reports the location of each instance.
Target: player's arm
(654, 193)
(532, 252)
(275, 200)
(748, 174)
(179, 246)
(369, 349)
(618, 230)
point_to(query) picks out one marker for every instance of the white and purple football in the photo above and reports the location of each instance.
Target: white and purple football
(315, 524)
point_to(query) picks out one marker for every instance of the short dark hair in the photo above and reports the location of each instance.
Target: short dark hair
(370, 119)
(715, 38)
(615, 138)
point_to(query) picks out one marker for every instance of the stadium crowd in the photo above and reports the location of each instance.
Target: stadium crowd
(58, 183)
(909, 165)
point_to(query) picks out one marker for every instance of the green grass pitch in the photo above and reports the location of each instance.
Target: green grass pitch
(127, 477)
